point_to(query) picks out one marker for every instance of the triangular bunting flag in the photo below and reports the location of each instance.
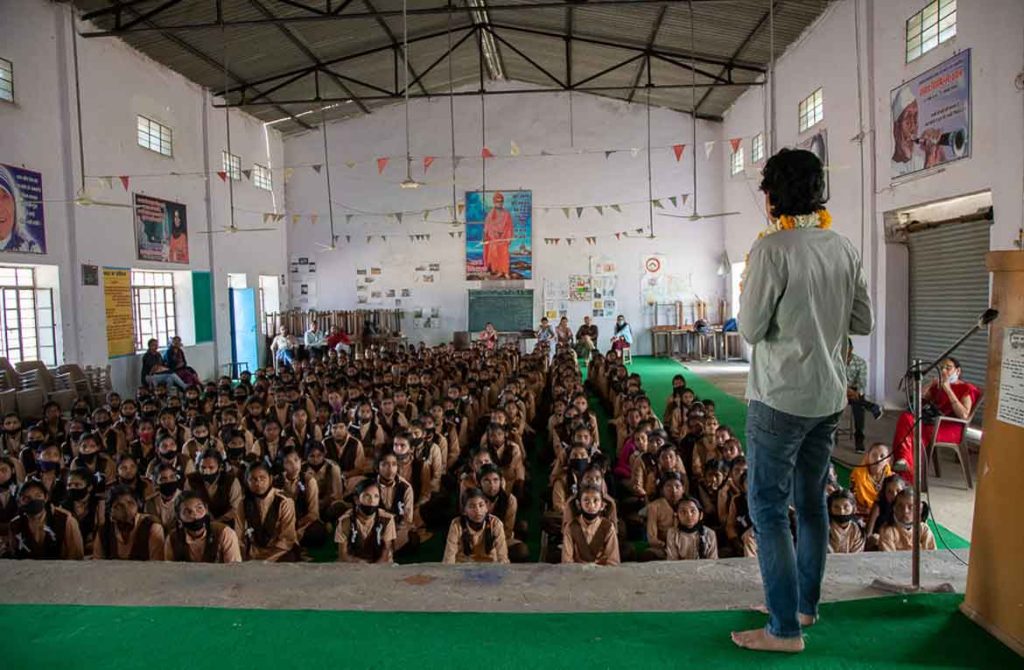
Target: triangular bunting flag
(460, 207)
(735, 143)
(348, 218)
(313, 218)
(428, 237)
(295, 219)
(278, 218)
(557, 240)
(288, 172)
(427, 162)
(570, 240)
(608, 154)
(124, 181)
(451, 235)
(317, 168)
(657, 204)
(634, 152)
(381, 164)
(618, 236)
(486, 153)
(685, 197)
(639, 230)
(412, 237)
(545, 152)
(398, 217)
(456, 161)
(513, 148)
(617, 208)
(247, 174)
(426, 213)
(267, 216)
(600, 209)
(350, 164)
(678, 149)
(223, 175)
(384, 238)
(673, 200)
(579, 212)
(368, 238)
(565, 210)
(348, 238)
(708, 147)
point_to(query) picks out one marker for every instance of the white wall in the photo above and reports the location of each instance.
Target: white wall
(535, 122)
(826, 56)
(117, 83)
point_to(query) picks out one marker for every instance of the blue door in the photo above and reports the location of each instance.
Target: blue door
(244, 339)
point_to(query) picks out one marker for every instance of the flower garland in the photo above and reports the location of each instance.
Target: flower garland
(819, 219)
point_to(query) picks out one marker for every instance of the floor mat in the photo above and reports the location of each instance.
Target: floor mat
(896, 632)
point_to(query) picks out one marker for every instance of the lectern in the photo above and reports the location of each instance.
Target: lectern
(995, 578)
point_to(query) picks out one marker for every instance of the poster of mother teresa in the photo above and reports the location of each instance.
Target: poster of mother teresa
(21, 211)
(499, 235)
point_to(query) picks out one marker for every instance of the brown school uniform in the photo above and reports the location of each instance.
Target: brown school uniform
(643, 480)
(223, 499)
(611, 511)
(434, 459)
(848, 540)
(163, 510)
(661, 517)
(897, 538)
(417, 472)
(590, 542)
(372, 537)
(268, 528)
(330, 485)
(56, 537)
(304, 493)
(349, 455)
(218, 545)
(145, 541)
(193, 449)
(461, 537)
(683, 546)
(397, 499)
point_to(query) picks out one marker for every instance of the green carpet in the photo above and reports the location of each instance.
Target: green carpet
(904, 632)
(657, 376)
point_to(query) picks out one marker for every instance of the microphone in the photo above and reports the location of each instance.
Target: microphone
(988, 317)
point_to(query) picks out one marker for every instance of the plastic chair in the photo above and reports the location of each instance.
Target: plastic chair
(55, 387)
(30, 397)
(959, 448)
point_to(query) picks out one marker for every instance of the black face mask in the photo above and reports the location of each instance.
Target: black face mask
(78, 494)
(318, 466)
(841, 518)
(236, 453)
(210, 477)
(48, 466)
(475, 525)
(34, 445)
(196, 524)
(579, 464)
(12, 431)
(590, 516)
(690, 529)
(32, 507)
(167, 489)
(103, 425)
(75, 435)
(367, 510)
(88, 459)
(168, 455)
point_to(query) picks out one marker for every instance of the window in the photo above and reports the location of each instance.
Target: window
(153, 305)
(154, 136)
(757, 148)
(930, 27)
(811, 110)
(27, 323)
(261, 178)
(6, 80)
(736, 161)
(232, 165)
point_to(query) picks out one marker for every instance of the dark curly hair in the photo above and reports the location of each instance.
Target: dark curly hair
(795, 182)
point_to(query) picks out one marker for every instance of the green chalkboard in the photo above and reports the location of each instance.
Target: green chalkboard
(202, 305)
(509, 310)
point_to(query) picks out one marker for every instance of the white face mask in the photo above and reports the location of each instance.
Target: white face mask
(953, 378)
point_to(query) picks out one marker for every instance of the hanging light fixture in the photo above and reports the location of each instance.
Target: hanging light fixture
(409, 182)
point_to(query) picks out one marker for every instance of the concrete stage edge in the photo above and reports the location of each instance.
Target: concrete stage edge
(661, 586)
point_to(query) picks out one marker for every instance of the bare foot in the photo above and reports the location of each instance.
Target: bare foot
(763, 609)
(760, 640)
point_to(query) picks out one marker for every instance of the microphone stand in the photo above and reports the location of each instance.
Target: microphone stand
(914, 378)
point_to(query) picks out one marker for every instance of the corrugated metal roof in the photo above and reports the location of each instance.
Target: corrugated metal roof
(259, 50)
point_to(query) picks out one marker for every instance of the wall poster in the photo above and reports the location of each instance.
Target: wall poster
(117, 300)
(161, 230)
(22, 225)
(931, 117)
(499, 235)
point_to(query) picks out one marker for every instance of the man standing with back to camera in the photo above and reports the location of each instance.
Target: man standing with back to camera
(803, 295)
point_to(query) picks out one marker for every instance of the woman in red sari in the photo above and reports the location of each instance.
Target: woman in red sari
(952, 397)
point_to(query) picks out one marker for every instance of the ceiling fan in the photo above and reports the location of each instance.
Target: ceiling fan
(696, 215)
(83, 199)
(232, 229)
(333, 246)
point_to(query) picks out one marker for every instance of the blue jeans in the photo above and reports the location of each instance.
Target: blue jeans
(788, 458)
(166, 379)
(285, 356)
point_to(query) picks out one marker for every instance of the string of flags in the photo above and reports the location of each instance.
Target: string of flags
(382, 162)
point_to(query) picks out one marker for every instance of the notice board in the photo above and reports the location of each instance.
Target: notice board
(117, 300)
(509, 310)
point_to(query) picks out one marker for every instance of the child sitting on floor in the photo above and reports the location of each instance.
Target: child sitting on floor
(476, 536)
(689, 538)
(845, 530)
(590, 537)
(882, 511)
(899, 535)
(661, 515)
(713, 480)
(739, 527)
(866, 479)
